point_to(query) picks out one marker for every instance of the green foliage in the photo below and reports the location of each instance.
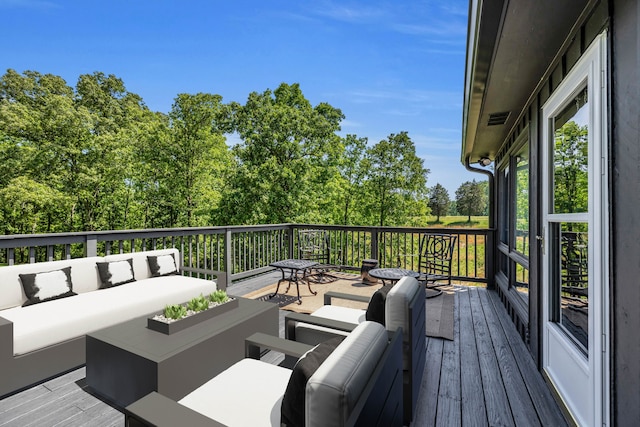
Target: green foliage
(286, 156)
(472, 198)
(219, 296)
(175, 311)
(570, 165)
(439, 201)
(94, 157)
(198, 304)
(396, 181)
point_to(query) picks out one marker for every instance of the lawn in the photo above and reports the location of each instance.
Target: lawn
(459, 221)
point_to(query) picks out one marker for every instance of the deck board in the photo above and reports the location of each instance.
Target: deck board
(449, 398)
(473, 408)
(486, 376)
(495, 396)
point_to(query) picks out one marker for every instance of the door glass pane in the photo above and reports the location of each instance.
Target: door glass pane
(571, 293)
(504, 206)
(570, 157)
(522, 201)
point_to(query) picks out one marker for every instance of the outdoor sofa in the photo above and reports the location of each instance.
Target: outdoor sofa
(355, 382)
(403, 307)
(47, 338)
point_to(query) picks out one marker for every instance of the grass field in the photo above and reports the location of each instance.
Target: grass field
(459, 221)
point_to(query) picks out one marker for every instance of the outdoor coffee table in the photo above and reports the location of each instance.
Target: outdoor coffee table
(128, 361)
(297, 271)
(392, 274)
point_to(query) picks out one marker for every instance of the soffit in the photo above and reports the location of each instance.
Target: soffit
(513, 44)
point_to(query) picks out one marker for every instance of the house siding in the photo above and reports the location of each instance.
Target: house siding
(622, 19)
(625, 215)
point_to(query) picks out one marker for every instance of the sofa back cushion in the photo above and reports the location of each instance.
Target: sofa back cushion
(292, 410)
(338, 383)
(84, 278)
(397, 304)
(141, 268)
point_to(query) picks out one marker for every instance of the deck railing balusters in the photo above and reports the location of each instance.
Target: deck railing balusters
(240, 251)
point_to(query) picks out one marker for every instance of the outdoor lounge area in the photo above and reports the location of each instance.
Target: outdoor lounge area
(482, 373)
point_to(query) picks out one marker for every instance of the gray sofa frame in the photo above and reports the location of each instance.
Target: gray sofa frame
(379, 405)
(20, 372)
(415, 340)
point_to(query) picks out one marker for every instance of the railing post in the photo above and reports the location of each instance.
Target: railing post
(490, 256)
(91, 246)
(228, 257)
(374, 243)
(290, 241)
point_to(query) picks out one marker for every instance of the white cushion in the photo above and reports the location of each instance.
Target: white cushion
(260, 384)
(396, 312)
(140, 264)
(313, 334)
(330, 395)
(84, 278)
(51, 322)
(333, 390)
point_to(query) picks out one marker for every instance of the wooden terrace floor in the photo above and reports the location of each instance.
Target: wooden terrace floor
(485, 377)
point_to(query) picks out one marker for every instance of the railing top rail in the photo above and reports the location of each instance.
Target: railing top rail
(481, 231)
(80, 236)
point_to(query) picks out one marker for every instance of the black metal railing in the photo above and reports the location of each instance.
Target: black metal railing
(235, 252)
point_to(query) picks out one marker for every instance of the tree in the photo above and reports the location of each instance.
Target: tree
(471, 198)
(72, 140)
(286, 158)
(396, 181)
(439, 201)
(27, 207)
(351, 178)
(570, 161)
(198, 155)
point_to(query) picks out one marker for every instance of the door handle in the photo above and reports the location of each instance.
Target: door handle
(541, 240)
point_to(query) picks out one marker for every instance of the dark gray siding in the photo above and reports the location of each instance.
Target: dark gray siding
(625, 154)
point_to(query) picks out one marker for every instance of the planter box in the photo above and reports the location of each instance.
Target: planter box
(179, 325)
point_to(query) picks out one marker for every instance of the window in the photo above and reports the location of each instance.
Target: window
(513, 222)
(521, 200)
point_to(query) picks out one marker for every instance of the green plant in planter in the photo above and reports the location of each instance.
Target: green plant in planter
(198, 304)
(175, 311)
(218, 296)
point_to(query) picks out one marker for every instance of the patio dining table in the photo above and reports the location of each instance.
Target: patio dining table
(297, 270)
(392, 274)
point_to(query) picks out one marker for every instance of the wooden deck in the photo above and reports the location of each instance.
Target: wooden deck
(485, 377)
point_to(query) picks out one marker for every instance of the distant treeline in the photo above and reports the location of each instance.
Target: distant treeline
(95, 157)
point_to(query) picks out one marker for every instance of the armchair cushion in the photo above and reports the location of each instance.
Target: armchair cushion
(47, 286)
(398, 299)
(248, 380)
(336, 386)
(115, 273)
(162, 265)
(375, 309)
(292, 413)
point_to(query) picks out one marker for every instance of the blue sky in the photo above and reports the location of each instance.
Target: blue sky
(390, 66)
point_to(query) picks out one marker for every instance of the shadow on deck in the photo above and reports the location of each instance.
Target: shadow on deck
(486, 376)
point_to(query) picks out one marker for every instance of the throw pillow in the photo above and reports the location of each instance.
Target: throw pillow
(47, 286)
(162, 265)
(292, 412)
(116, 273)
(375, 309)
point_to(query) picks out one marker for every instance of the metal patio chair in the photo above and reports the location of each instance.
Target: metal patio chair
(435, 259)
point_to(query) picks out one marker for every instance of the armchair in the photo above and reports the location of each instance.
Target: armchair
(356, 385)
(404, 307)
